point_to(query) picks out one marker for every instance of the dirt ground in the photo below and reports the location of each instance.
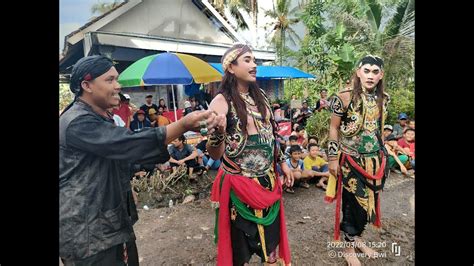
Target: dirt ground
(184, 233)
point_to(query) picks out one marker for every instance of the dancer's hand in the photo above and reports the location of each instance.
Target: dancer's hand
(289, 178)
(192, 121)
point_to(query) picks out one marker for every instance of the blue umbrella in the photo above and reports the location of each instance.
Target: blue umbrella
(273, 72)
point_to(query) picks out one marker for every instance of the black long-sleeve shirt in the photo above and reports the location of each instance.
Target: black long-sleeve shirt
(92, 153)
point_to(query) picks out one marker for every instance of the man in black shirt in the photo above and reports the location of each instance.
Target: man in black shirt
(148, 105)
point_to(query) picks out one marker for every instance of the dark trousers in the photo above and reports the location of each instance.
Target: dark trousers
(354, 217)
(132, 252)
(246, 240)
(113, 256)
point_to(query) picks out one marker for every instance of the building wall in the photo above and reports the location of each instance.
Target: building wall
(168, 18)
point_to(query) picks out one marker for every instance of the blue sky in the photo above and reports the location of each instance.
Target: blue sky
(72, 15)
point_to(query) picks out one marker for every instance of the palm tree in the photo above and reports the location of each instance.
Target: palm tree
(283, 26)
(373, 14)
(253, 5)
(400, 40)
(250, 6)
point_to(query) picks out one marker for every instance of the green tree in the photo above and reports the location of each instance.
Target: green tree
(318, 125)
(283, 30)
(402, 100)
(398, 51)
(325, 51)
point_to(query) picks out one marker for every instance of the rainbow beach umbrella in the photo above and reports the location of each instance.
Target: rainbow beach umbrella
(168, 69)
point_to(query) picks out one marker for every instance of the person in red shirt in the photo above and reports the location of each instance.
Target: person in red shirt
(300, 132)
(124, 110)
(407, 143)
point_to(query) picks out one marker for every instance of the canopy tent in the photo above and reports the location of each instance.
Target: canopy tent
(274, 72)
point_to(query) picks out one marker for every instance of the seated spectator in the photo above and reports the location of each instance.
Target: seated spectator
(124, 110)
(407, 143)
(204, 158)
(387, 130)
(195, 105)
(296, 166)
(117, 119)
(293, 140)
(317, 165)
(278, 108)
(279, 114)
(161, 103)
(140, 122)
(323, 102)
(303, 114)
(133, 112)
(315, 140)
(152, 114)
(398, 128)
(161, 119)
(293, 128)
(302, 136)
(284, 107)
(397, 158)
(187, 108)
(182, 153)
